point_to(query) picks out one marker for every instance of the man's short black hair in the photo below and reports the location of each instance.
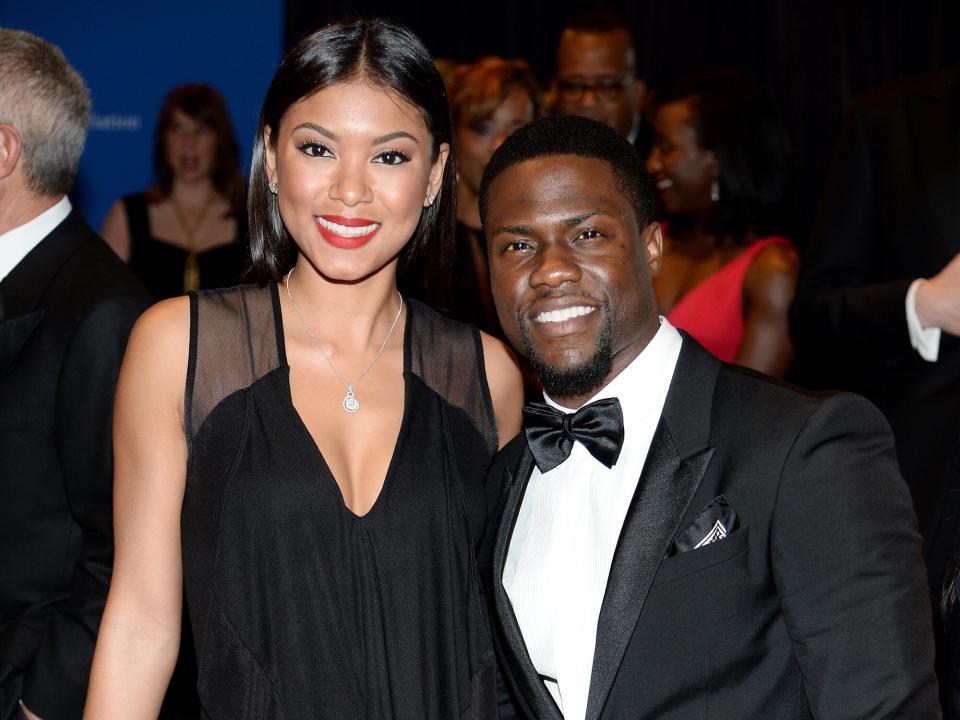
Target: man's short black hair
(573, 135)
(599, 21)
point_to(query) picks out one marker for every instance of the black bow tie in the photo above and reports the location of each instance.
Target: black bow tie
(550, 433)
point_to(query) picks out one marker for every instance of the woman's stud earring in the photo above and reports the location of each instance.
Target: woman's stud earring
(430, 198)
(715, 191)
(273, 186)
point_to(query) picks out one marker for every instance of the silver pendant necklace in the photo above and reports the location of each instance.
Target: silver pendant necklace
(350, 402)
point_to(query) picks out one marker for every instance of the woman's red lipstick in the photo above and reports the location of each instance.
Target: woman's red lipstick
(340, 231)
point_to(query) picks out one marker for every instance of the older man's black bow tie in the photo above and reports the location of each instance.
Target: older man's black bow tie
(550, 432)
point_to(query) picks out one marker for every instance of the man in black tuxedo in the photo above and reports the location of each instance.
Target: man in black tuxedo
(864, 318)
(597, 76)
(68, 304)
(678, 538)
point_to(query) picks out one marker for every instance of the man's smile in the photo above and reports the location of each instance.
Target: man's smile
(555, 316)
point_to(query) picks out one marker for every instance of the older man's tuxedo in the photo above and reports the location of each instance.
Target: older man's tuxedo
(67, 310)
(814, 606)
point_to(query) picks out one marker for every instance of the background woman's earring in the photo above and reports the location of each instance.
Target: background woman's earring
(273, 186)
(715, 191)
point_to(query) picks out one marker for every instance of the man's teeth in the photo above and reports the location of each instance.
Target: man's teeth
(345, 231)
(664, 184)
(565, 314)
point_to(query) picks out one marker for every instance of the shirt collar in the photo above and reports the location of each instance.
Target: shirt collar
(645, 380)
(16, 244)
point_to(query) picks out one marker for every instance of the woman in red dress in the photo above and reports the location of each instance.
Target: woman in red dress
(722, 166)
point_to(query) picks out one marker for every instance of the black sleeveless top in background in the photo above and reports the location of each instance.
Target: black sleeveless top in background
(160, 265)
(300, 608)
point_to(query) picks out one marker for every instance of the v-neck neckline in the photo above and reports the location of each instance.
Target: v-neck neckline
(308, 436)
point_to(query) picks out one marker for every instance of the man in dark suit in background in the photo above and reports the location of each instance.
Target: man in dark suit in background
(597, 76)
(864, 319)
(68, 304)
(679, 538)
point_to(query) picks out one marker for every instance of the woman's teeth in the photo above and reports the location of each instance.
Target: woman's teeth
(345, 231)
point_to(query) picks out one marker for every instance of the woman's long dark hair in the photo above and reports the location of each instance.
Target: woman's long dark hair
(736, 119)
(384, 54)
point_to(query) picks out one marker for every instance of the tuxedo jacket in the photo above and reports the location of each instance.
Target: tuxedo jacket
(889, 214)
(814, 606)
(67, 309)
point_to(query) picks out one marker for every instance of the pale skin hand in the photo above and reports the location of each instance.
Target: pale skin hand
(139, 635)
(938, 299)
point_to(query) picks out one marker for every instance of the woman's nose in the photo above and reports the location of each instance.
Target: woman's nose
(351, 185)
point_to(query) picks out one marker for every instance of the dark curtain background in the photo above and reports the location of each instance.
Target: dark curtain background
(813, 56)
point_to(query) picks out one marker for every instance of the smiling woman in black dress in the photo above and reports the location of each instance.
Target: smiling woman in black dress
(323, 472)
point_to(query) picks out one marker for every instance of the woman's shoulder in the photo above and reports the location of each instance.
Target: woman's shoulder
(139, 202)
(158, 347)
(773, 255)
(506, 386)
(467, 367)
(437, 335)
(167, 321)
(771, 278)
(170, 320)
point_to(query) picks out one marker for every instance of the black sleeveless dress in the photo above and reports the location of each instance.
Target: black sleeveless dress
(300, 608)
(160, 265)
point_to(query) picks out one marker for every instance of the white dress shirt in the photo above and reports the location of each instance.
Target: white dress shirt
(926, 341)
(16, 244)
(567, 529)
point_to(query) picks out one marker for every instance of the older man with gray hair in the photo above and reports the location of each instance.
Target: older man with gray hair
(67, 305)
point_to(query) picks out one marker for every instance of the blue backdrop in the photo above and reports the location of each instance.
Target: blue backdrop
(131, 54)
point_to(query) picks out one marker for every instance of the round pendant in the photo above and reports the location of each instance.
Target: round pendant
(350, 403)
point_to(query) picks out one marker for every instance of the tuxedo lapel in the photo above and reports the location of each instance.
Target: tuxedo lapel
(14, 334)
(935, 118)
(524, 674)
(678, 459)
(667, 485)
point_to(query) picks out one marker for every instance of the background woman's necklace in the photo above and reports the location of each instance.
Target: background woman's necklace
(350, 402)
(191, 268)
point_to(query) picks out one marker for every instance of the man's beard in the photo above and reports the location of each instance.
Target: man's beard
(579, 380)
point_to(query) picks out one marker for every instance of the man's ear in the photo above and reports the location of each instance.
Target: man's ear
(435, 183)
(652, 239)
(10, 149)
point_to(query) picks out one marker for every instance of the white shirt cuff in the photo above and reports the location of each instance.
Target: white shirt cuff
(926, 341)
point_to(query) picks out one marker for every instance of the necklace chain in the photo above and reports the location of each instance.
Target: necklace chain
(350, 402)
(189, 230)
(191, 268)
